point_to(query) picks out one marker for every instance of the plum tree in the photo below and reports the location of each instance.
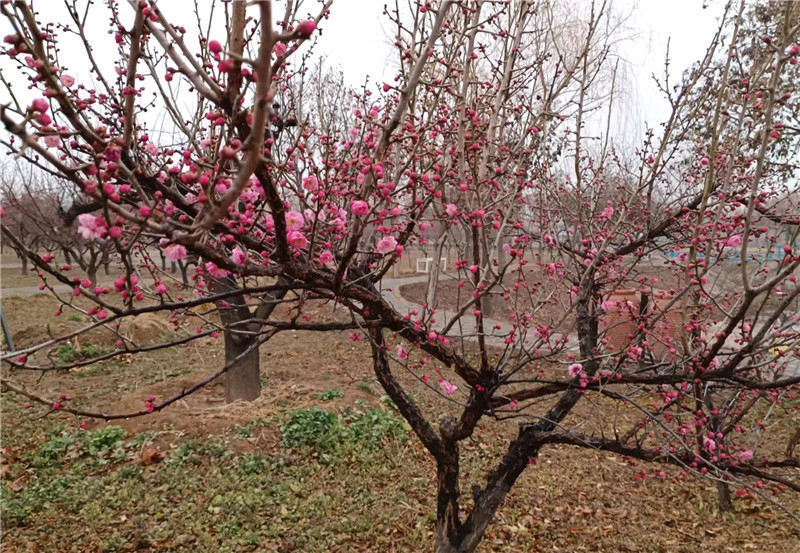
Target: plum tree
(648, 298)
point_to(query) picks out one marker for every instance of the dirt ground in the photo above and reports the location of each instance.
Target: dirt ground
(214, 500)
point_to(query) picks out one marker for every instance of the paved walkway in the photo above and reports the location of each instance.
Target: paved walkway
(466, 327)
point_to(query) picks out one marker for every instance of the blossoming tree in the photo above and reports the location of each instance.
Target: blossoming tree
(629, 283)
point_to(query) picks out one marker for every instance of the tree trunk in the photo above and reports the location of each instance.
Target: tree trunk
(724, 497)
(243, 380)
(443, 546)
(184, 273)
(24, 263)
(448, 531)
(91, 274)
(435, 269)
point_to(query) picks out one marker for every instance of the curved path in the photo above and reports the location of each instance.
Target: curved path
(467, 325)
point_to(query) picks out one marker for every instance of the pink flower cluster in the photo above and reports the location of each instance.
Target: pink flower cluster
(91, 227)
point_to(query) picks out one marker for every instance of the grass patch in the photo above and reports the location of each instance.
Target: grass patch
(67, 354)
(331, 394)
(329, 434)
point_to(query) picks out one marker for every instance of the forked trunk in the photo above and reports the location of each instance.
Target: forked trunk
(243, 379)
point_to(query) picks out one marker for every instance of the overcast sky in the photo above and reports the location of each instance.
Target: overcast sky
(355, 38)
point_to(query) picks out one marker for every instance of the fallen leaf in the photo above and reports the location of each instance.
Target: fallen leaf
(150, 455)
(17, 484)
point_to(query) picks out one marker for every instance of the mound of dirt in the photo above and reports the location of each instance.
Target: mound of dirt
(30, 336)
(145, 329)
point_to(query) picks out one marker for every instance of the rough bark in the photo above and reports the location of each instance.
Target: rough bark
(448, 526)
(243, 380)
(724, 497)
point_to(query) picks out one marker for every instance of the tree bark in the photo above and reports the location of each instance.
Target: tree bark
(435, 269)
(724, 497)
(184, 273)
(448, 527)
(243, 380)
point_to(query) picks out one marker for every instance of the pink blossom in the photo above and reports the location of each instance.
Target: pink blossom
(174, 252)
(294, 220)
(306, 28)
(214, 46)
(575, 370)
(297, 239)
(709, 444)
(325, 257)
(359, 208)
(447, 387)
(733, 241)
(279, 49)
(40, 105)
(608, 212)
(216, 272)
(386, 244)
(451, 209)
(91, 227)
(746, 455)
(238, 256)
(67, 80)
(311, 183)
(52, 141)
(401, 352)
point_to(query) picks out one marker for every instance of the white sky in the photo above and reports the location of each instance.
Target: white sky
(356, 39)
